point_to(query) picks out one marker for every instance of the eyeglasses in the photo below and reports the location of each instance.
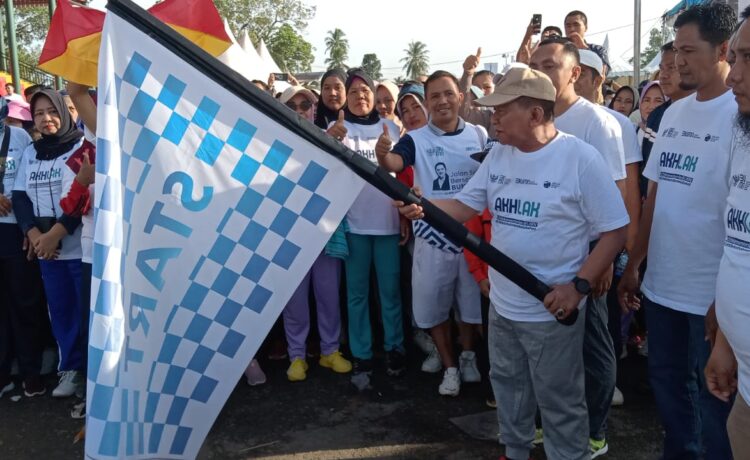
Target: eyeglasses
(304, 105)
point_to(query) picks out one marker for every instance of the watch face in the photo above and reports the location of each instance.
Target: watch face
(582, 286)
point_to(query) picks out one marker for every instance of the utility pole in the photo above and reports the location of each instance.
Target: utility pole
(12, 46)
(637, 43)
(52, 7)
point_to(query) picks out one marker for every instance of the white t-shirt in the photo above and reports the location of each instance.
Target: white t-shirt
(46, 183)
(442, 167)
(372, 213)
(690, 161)
(630, 141)
(733, 282)
(19, 140)
(593, 125)
(544, 206)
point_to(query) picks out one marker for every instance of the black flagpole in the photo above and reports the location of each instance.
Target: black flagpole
(378, 177)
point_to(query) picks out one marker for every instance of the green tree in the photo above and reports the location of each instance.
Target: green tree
(655, 41)
(371, 65)
(290, 50)
(264, 18)
(416, 62)
(32, 24)
(337, 47)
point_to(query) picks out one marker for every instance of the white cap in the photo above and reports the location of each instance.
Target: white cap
(591, 59)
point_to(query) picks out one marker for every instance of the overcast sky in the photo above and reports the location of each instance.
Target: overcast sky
(386, 27)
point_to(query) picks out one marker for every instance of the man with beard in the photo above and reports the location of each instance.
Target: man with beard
(682, 230)
(732, 346)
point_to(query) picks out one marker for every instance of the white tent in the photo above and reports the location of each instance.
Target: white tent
(653, 66)
(619, 67)
(249, 65)
(266, 57)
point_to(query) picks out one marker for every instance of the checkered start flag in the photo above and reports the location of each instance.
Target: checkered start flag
(209, 212)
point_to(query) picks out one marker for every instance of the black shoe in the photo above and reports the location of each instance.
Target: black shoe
(395, 363)
(33, 386)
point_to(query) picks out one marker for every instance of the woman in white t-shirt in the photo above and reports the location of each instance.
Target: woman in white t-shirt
(43, 180)
(374, 234)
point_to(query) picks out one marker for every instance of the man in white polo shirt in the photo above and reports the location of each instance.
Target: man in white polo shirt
(547, 193)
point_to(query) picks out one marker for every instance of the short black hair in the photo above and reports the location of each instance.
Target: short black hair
(745, 13)
(440, 163)
(263, 84)
(547, 106)
(581, 14)
(483, 72)
(438, 74)
(569, 47)
(28, 92)
(669, 46)
(554, 28)
(715, 21)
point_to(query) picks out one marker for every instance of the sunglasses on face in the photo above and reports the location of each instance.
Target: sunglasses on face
(304, 105)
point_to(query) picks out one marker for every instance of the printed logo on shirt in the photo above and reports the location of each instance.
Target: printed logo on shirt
(677, 162)
(10, 164)
(671, 133)
(500, 179)
(711, 138)
(521, 181)
(691, 135)
(368, 153)
(436, 151)
(45, 176)
(517, 207)
(741, 182)
(550, 184)
(738, 221)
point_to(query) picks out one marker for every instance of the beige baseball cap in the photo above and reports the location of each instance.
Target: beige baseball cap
(294, 90)
(520, 82)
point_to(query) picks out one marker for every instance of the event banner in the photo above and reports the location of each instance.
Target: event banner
(209, 212)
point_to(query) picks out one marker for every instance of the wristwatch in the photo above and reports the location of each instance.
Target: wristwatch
(582, 286)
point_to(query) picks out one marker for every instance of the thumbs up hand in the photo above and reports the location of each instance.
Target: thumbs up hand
(472, 61)
(384, 144)
(338, 130)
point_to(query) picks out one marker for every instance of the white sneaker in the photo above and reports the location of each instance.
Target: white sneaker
(432, 363)
(451, 384)
(7, 388)
(67, 385)
(618, 399)
(423, 341)
(468, 365)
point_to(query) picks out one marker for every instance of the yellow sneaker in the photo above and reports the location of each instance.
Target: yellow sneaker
(336, 362)
(297, 371)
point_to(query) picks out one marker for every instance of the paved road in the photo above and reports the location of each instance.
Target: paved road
(322, 418)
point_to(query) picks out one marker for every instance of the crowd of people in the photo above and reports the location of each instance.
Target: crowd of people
(577, 179)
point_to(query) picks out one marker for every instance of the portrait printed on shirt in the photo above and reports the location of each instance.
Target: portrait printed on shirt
(442, 182)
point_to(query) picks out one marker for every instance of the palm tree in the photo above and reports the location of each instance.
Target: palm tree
(416, 62)
(337, 47)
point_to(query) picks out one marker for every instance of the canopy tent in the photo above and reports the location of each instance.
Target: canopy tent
(249, 65)
(653, 66)
(265, 55)
(619, 67)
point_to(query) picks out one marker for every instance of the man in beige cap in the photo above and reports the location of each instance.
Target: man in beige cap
(547, 192)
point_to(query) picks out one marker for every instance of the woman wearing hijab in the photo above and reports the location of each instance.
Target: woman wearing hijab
(625, 100)
(374, 234)
(652, 97)
(19, 277)
(55, 237)
(332, 97)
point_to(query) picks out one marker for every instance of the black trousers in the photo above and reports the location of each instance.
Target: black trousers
(21, 321)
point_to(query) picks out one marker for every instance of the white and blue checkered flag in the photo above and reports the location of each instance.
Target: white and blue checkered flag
(208, 214)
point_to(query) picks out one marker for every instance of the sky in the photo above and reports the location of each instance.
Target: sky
(451, 33)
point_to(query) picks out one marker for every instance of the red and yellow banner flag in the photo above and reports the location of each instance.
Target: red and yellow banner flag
(71, 49)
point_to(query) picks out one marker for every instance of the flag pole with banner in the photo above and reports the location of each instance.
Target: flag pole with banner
(212, 202)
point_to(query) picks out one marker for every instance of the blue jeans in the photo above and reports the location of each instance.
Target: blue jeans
(600, 365)
(694, 420)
